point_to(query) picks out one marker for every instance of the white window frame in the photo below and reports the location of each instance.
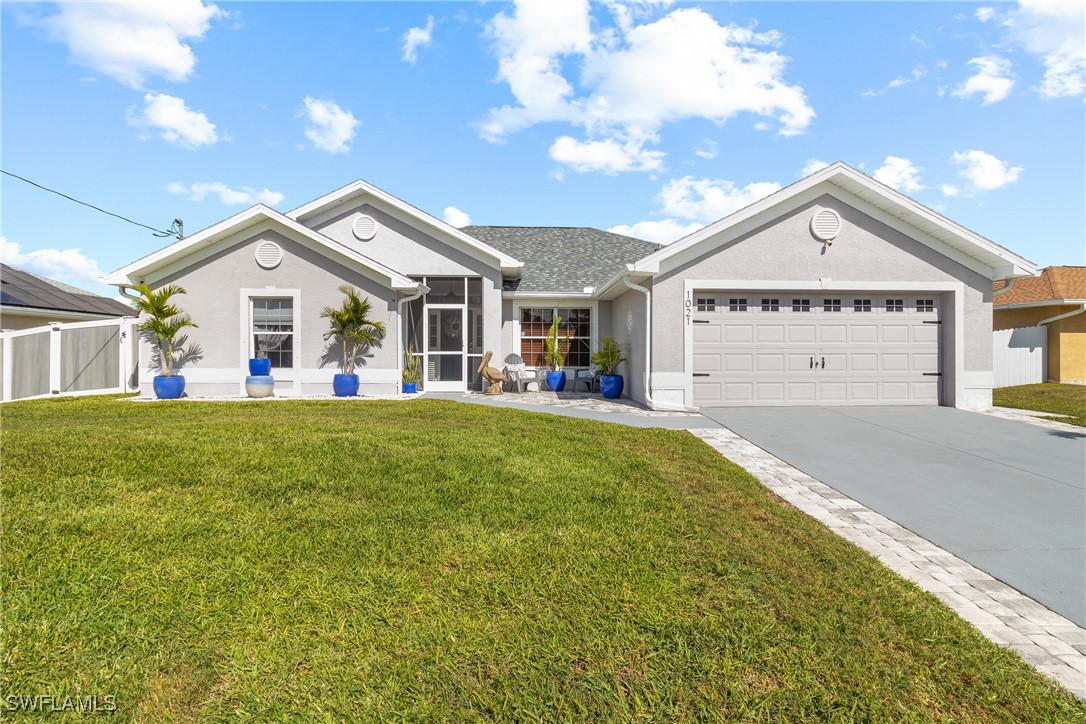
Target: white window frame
(555, 304)
(282, 374)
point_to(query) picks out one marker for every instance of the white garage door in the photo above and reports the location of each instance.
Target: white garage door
(789, 348)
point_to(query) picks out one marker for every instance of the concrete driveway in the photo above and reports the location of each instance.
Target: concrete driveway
(1008, 497)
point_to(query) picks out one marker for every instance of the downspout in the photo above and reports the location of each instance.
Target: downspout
(1065, 315)
(648, 338)
(1007, 288)
(420, 290)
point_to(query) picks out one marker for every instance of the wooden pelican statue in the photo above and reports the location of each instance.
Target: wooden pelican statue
(492, 375)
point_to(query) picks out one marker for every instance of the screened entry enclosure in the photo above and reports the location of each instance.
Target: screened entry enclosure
(445, 330)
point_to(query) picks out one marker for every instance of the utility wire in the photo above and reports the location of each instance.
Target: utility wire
(174, 231)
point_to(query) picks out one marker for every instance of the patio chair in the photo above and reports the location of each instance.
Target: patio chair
(520, 376)
(589, 377)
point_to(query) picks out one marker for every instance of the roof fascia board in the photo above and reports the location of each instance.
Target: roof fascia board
(1041, 303)
(46, 312)
(614, 287)
(341, 196)
(547, 295)
(808, 189)
(268, 220)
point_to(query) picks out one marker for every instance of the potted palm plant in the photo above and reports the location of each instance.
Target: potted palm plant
(412, 370)
(607, 360)
(555, 355)
(352, 328)
(162, 322)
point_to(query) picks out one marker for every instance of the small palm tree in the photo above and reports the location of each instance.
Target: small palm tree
(351, 325)
(163, 321)
(555, 347)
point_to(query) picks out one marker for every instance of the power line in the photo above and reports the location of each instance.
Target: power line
(175, 229)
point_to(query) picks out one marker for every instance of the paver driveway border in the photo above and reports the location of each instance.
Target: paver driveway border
(1049, 642)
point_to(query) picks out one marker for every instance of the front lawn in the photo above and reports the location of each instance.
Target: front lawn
(1047, 397)
(429, 559)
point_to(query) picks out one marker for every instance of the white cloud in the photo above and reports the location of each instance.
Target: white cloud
(330, 127)
(609, 156)
(1055, 31)
(984, 171)
(416, 38)
(916, 74)
(627, 88)
(992, 79)
(984, 14)
(174, 121)
(950, 190)
(455, 217)
(227, 195)
(132, 41)
(899, 173)
(707, 200)
(813, 164)
(661, 232)
(66, 265)
(706, 149)
(699, 202)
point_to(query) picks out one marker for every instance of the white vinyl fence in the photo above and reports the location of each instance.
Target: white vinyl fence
(77, 358)
(1020, 356)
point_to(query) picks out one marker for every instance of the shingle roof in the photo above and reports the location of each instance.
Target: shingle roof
(1055, 282)
(562, 258)
(23, 289)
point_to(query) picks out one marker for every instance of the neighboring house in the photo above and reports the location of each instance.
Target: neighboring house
(836, 290)
(27, 300)
(1057, 300)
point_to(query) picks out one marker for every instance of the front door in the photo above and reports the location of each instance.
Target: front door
(445, 358)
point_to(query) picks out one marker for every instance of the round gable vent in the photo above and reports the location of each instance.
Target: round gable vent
(365, 228)
(268, 254)
(826, 225)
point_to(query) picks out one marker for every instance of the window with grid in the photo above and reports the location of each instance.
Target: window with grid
(737, 305)
(535, 325)
(706, 304)
(801, 305)
(895, 305)
(861, 305)
(273, 330)
(925, 305)
(831, 305)
(771, 305)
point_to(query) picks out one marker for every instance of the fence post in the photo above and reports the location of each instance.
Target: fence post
(5, 393)
(128, 338)
(54, 358)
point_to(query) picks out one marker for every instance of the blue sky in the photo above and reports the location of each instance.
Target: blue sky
(651, 119)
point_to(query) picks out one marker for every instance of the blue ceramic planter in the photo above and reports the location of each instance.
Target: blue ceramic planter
(168, 388)
(410, 388)
(259, 385)
(556, 381)
(345, 385)
(611, 386)
(260, 366)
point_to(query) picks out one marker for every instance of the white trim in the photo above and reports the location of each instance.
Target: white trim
(957, 289)
(547, 295)
(52, 314)
(358, 188)
(253, 220)
(1042, 303)
(246, 326)
(554, 303)
(997, 261)
(54, 358)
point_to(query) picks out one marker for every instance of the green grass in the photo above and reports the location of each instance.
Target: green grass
(429, 559)
(1047, 397)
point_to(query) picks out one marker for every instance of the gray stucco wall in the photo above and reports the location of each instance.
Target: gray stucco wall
(627, 324)
(213, 300)
(866, 250)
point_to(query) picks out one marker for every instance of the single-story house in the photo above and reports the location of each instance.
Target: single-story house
(836, 290)
(28, 300)
(1057, 300)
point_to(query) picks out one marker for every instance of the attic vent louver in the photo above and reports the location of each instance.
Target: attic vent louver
(365, 228)
(268, 255)
(826, 225)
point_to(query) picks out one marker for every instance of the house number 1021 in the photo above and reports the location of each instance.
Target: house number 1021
(689, 309)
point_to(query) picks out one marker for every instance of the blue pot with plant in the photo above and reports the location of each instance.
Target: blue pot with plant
(162, 322)
(412, 370)
(554, 354)
(607, 360)
(259, 366)
(353, 331)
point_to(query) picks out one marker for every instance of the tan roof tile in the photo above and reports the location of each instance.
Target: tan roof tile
(1055, 282)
